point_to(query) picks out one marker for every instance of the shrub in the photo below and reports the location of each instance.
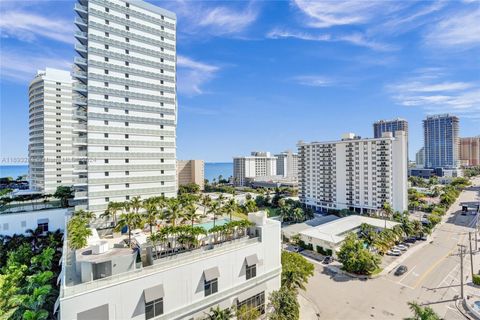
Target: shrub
(476, 279)
(329, 252)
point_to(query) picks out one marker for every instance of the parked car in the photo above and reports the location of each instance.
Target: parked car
(463, 213)
(394, 253)
(297, 249)
(401, 270)
(411, 240)
(400, 247)
(422, 238)
(406, 244)
(327, 260)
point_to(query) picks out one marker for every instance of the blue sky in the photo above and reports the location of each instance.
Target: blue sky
(263, 75)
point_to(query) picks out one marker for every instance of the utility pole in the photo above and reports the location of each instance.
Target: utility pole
(461, 271)
(471, 255)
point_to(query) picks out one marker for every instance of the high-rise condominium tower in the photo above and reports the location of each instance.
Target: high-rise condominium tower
(258, 164)
(441, 141)
(356, 174)
(470, 151)
(381, 126)
(50, 124)
(125, 101)
(287, 164)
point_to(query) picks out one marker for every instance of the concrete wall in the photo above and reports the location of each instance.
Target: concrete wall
(18, 223)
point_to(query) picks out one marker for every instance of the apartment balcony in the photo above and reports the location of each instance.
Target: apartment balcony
(79, 100)
(81, 50)
(80, 181)
(79, 141)
(81, 63)
(80, 88)
(80, 167)
(81, 10)
(81, 37)
(81, 195)
(80, 75)
(80, 127)
(81, 24)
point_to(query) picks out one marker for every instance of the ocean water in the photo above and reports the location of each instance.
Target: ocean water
(13, 171)
(212, 170)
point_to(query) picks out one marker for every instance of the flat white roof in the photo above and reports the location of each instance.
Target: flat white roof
(335, 231)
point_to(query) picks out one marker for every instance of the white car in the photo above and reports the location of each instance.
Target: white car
(394, 252)
(400, 247)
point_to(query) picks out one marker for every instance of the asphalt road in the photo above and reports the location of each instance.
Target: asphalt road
(433, 278)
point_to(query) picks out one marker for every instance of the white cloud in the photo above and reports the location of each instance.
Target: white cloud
(435, 94)
(460, 31)
(314, 81)
(192, 75)
(354, 38)
(327, 13)
(22, 67)
(27, 26)
(201, 19)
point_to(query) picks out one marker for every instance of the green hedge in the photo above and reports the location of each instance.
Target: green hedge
(476, 279)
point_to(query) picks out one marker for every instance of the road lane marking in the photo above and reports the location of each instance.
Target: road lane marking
(406, 275)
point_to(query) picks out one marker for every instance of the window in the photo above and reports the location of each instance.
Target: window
(105, 148)
(107, 22)
(105, 71)
(251, 271)
(127, 63)
(106, 46)
(107, 34)
(127, 28)
(105, 135)
(127, 173)
(127, 197)
(127, 160)
(126, 111)
(127, 99)
(107, 199)
(107, 186)
(105, 109)
(107, 10)
(127, 185)
(127, 16)
(127, 51)
(126, 124)
(257, 302)
(127, 5)
(153, 308)
(107, 174)
(127, 148)
(162, 171)
(127, 88)
(106, 59)
(126, 75)
(127, 40)
(105, 122)
(127, 136)
(211, 287)
(161, 126)
(43, 226)
(106, 97)
(105, 84)
(105, 161)
(162, 160)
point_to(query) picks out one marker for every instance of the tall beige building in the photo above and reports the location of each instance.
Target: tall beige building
(191, 171)
(470, 151)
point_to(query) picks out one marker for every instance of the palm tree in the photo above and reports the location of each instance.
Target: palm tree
(250, 206)
(155, 239)
(215, 209)
(230, 207)
(136, 204)
(130, 220)
(111, 211)
(174, 210)
(88, 215)
(297, 214)
(422, 313)
(219, 314)
(151, 215)
(191, 214)
(206, 201)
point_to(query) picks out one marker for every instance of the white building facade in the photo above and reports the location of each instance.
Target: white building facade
(353, 173)
(50, 130)
(125, 102)
(19, 222)
(258, 164)
(287, 164)
(185, 286)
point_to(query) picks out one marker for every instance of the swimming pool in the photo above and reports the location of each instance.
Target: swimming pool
(209, 225)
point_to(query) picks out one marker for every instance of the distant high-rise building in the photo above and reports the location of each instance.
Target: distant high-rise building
(420, 158)
(353, 173)
(125, 101)
(470, 151)
(287, 164)
(381, 126)
(191, 171)
(441, 141)
(50, 142)
(258, 164)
